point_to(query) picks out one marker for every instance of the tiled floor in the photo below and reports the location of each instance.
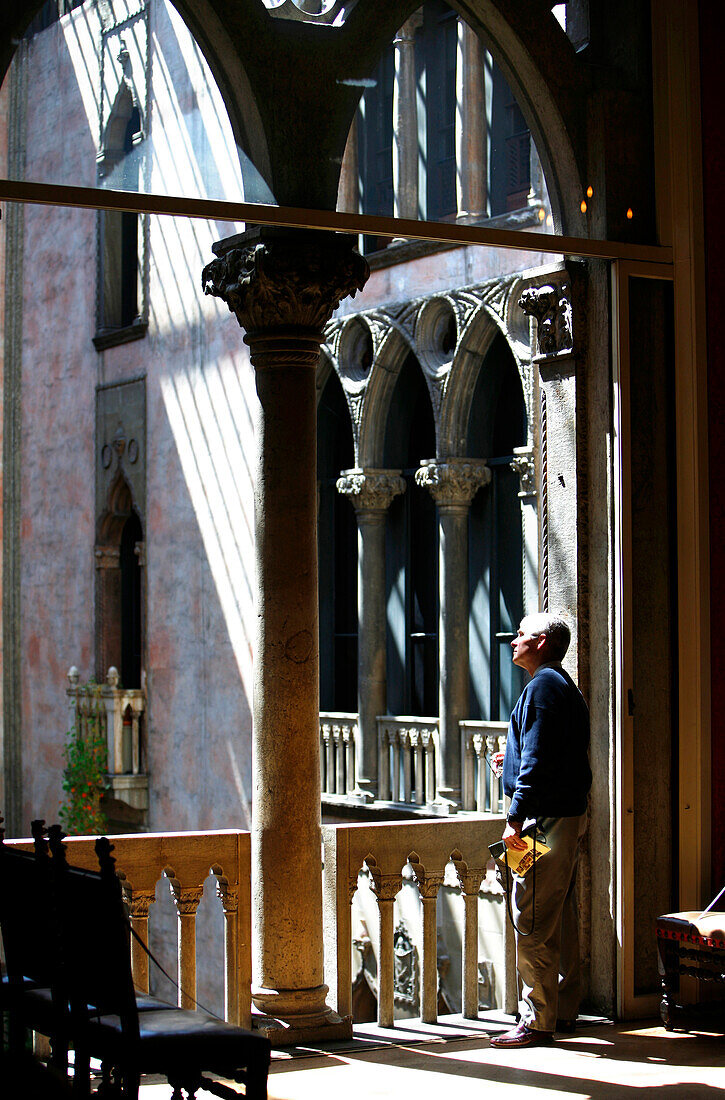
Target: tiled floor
(603, 1062)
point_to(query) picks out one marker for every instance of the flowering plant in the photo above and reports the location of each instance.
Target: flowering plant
(84, 775)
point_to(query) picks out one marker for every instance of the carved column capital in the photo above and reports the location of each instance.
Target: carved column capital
(386, 887)
(187, 898)
(228, 896)
(140, 902)
(453, 482)
(524, 465)
(428, 882)
(550, 305)
(370, 490)
(286, 284)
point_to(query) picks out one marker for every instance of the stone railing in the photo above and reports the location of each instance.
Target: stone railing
(407, 759)
(119, 713)
(337, 752)
(432, 854)
(186, 860)
(482, 790)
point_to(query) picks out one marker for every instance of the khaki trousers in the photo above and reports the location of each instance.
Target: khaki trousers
(548, 960)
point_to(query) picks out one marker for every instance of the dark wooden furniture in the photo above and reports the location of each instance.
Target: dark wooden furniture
(693, 944)
(105, 1022)
(66, 938)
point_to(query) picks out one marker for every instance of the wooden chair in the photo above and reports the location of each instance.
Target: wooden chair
(694, 944)
(105, 1022)
(30, 993)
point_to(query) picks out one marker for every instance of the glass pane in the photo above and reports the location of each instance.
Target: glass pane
(118, 95)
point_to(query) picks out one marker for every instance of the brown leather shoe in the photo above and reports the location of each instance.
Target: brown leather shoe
(522, 1036)
(566, 1027)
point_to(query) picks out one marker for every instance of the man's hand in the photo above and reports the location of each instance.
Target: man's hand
(512, 836)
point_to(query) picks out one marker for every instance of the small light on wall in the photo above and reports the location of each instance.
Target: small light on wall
(583, 207)
(549, 219)
(630, 214)
(542, 214)
(590, 191)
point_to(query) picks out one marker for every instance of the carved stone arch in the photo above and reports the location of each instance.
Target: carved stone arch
(114, 134)
(120, 506)
(391, 353)
(482, 326)
(461, 384)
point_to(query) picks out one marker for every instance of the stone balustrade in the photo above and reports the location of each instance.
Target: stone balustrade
(407, 749)
(118, 713)
(437, 853)
(186, 860)
(337, 752)
(482, 790)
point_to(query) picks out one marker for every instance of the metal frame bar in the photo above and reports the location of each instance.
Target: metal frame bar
(93, 198)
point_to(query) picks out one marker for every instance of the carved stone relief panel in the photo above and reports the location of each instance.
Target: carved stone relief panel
(121, 444)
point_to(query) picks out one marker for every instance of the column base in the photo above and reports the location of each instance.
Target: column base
(448, 801)
(288, 1033)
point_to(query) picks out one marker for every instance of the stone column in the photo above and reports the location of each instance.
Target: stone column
(471, 127)
(405, 123)
(524, 465)
(371, 492)
(348, 191)
(453, 483)
(283, 288)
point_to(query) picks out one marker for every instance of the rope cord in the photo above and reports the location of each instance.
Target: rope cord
(166, 974)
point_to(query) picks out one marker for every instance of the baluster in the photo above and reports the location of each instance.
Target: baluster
(350, 759)
(497, 805)
(330, 759)
(428, 884)
(430, 768)
(229, 898)
(386, 888)
(135, 741)
(470, 880)
(383, 763)
(406, 738)
(483, 773)
(139, 905)
(323, 783)
(187, 900)
(340, 787)
(419, 770)
(395, 776)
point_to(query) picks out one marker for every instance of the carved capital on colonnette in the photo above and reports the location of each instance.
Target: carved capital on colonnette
(428, 882)
(140, 902)
(551, 307)
(286, 281)
(523, 464)
(370, 490)
(187, 898)
(453, 482)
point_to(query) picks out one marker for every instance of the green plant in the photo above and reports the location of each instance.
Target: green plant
(84, 775)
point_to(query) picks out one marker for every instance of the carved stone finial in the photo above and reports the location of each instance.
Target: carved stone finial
(73, 676)
(523, 464)
(371, 490)
(286, 282)
(56, 837)
(551, 308)
(453, 482)
(112, 677)
(106, 861)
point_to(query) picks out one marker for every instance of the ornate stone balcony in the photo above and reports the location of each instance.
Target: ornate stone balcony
(407, 758)
(120, 713)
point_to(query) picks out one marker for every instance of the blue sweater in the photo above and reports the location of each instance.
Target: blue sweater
(546, 769)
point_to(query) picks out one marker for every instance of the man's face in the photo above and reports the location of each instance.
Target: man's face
(528, 647)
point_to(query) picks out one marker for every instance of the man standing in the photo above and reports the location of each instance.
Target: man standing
(546, 775)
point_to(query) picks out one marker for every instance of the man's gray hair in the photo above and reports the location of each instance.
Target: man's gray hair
(558, 635)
